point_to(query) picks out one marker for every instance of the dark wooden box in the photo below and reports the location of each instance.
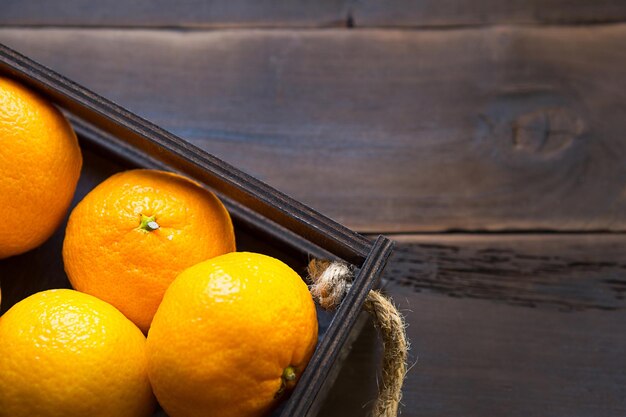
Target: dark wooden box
(267, 221)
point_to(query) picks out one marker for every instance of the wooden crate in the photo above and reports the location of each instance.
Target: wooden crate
(266, 220)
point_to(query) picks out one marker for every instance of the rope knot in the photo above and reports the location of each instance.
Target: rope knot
(331, 282)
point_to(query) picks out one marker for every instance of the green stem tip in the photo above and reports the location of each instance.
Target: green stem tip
(289, 374)
(148, 224)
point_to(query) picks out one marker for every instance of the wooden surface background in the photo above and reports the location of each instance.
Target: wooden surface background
(487, 137)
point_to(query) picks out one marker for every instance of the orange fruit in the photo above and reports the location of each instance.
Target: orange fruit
(40, 164)
(135, 232)
(231, 336)
(68, 354)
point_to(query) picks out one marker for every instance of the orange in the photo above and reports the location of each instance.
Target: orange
(40, 164)
(135, 232)
(231, 336)
(68, 354)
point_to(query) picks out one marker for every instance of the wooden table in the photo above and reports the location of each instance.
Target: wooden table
(486, 137)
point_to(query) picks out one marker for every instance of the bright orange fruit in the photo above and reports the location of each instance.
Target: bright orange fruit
(68, 354)
(231, 336)
(40, 163)
(134, 233)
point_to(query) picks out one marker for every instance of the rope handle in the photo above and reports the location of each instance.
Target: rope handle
(330, 283)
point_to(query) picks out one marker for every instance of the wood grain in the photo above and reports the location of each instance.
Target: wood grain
(438, 13)
(321, 13)
(391, 131)
(561, 272)
(181, 13)
(548, 342)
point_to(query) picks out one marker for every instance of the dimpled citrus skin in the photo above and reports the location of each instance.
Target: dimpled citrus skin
(68, 354)
(224, 334)
(40, 164)
(108, 255)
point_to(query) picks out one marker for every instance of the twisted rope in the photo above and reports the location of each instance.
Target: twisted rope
(330, 283)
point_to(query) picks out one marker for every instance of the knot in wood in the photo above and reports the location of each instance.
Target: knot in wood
(546, 130)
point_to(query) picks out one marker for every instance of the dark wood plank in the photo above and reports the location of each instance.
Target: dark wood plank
(548, 342)
(286, 13)
(390, 131)
(437, 13)
(181, 13)
(553, 272)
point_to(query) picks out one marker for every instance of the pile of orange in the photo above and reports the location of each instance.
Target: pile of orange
(147, 253)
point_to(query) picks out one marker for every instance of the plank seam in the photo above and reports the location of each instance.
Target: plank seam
(349, 23)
